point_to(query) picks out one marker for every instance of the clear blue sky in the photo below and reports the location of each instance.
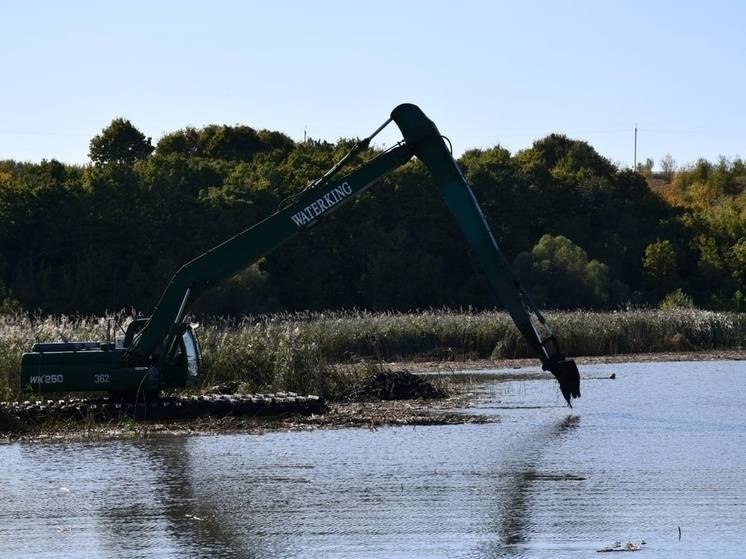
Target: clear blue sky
(485, 72)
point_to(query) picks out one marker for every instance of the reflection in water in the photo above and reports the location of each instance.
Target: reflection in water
(513, 502)
(193, 518)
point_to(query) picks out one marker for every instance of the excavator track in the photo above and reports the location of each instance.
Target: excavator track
(166, 408)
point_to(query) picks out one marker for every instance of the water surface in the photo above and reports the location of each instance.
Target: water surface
(660, 447)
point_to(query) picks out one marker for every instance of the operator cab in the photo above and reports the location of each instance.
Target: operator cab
(185, 364)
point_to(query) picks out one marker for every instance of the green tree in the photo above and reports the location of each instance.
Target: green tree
(660, 265)
(676, 300)
(228, 143)
(738, 259)
(111, 234)
(558, 272)
(120, 142)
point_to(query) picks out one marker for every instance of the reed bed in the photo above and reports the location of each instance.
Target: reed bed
(299, 351)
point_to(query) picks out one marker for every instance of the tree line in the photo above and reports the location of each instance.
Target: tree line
(579, 230)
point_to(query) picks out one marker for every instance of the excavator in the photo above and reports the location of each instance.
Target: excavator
(161, 352)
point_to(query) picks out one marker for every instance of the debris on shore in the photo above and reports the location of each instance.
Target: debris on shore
(396, 385)
(618, 547)
(9, 423)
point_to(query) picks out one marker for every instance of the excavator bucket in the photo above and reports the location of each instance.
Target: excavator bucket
(567, 374)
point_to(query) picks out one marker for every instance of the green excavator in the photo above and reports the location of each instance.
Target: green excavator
(161, 352)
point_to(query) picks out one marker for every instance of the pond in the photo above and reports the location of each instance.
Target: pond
(661, 448)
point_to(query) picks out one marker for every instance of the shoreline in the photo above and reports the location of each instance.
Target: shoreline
(341, 414)
(481, 364)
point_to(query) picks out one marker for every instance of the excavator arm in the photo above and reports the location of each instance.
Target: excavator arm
(231, 256)
(421, 139)
(161, 351)
(421, 134)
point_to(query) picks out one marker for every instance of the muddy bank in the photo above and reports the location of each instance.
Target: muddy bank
(462, 390)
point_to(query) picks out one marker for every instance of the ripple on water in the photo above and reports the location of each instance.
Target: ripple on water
(662, 446)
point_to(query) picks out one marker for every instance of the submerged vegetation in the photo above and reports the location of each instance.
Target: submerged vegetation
(301, 351)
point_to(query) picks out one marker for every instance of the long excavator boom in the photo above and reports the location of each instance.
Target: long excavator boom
(151, 346)
(421, 134)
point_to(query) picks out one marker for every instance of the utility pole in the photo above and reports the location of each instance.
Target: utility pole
(634, 165)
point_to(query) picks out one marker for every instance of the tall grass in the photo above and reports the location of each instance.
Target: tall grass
(297, 351)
